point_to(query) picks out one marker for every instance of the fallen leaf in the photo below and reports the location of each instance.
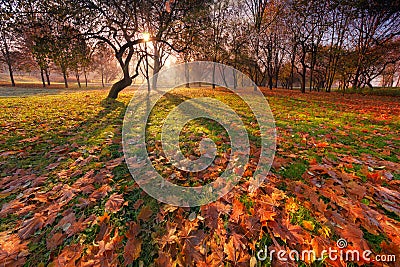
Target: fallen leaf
(114, 203)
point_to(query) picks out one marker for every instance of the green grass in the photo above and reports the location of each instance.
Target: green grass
(87, 126)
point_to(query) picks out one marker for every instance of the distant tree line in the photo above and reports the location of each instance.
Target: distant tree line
(314, 44)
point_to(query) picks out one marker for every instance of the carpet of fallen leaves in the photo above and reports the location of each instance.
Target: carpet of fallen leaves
(67, 198)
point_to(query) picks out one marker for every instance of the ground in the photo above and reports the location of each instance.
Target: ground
(66, 195)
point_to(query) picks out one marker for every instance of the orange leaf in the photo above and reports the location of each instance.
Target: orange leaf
(322, 144)
(308, 225)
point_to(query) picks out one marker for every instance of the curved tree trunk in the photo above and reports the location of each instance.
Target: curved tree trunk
(78, 80)
(119, 86)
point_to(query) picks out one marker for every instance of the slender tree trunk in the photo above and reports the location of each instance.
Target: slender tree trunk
(127, 79)
(6, 54)
(303, 75)
(47, 75)
(213, 76)
(42, 76)
(147, 68)
(102, 77)
(157, 65)
(10, 70)
(78, 80)
(292, 61)
(356, 78)
(270, 82)
(65, 78)
(86, 78)
(187, 77)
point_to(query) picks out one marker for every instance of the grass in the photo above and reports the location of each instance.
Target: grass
(49, 135)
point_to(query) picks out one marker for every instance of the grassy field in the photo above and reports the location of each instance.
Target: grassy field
(66, 195)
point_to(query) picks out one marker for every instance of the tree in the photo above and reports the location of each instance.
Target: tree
(120, 24)
(104, 63)
(8, 37)
(376, 24)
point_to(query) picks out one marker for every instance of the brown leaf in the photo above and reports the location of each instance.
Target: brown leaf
(114, 203)
(54, 240)
(145, 213)
(138, 203)
(30, 226)
(163, 260)
(133, 245)
(100, 193)
(68, 257)
(29, 140)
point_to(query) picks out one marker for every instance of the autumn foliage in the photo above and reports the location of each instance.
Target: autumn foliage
(67, 198)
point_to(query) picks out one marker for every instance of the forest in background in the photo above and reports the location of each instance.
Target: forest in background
(315, 45)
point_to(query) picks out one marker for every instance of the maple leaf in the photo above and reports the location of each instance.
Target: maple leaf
(133, 246)
(114, 203)
(145, 213)
(68, 256)
(29, 140)
(237, 210)
(30, 226)
(54, 240)
(163, 260)
(103, 222)
(101, 192)
(230, 250)
(13, 250)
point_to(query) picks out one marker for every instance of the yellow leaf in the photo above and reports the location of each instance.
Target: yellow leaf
(308, 225)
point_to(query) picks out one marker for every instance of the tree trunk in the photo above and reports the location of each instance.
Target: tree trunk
(119, 86)
(187, 77)
(78, 80)
(10, 70)
(270, 82)
(213, 76)
(42, 76)
(47, 75)
(7, 57)
(86, 78)
(292, 62)
(102, 77)
(303, 77)
(65, 78)
(157, 65)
